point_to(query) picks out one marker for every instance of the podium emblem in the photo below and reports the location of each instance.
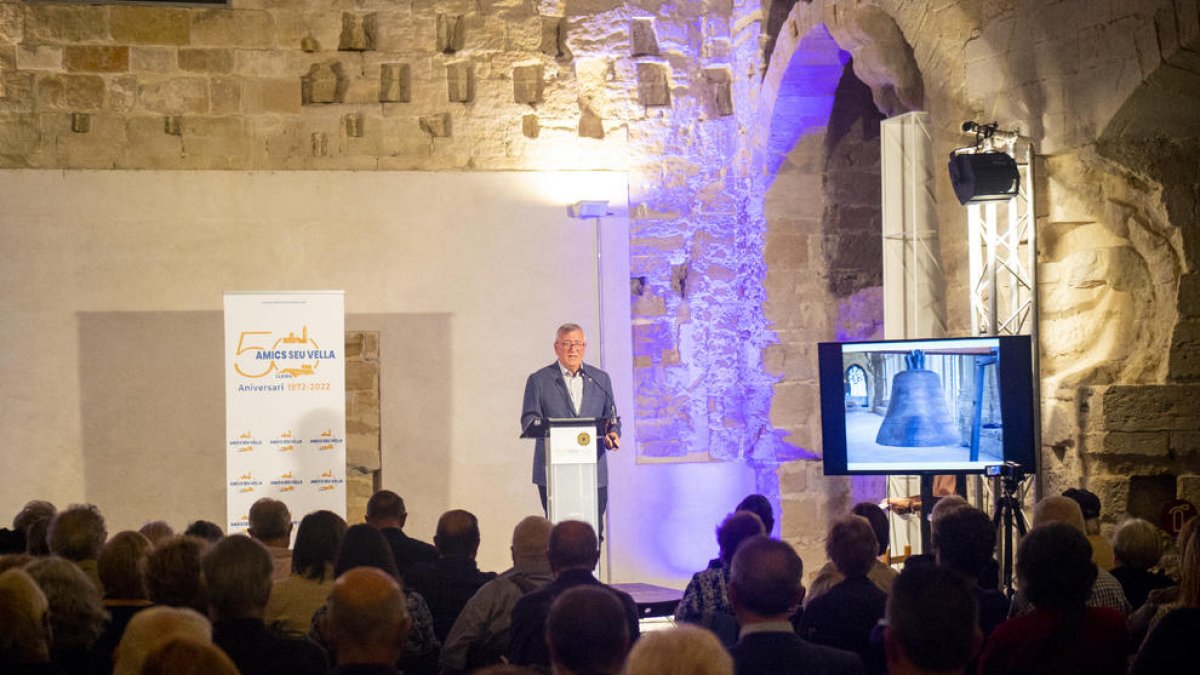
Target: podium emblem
(584, 438)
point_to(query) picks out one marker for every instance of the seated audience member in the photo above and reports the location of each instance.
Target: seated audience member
(1061, 635)
(122, 569)
(1160, 601)
(480, 633)
(386, 512)
(586, 632)
(184, 656)
(1170, 644)
(764, 586)
(367, 622)
(1089, 506)
(34, 512)
(78, 534)
(12, 561)
(364, 546)
(76, 615)
(574, 552)
(296, 598)
(683, 650)
(449, 582)
(206, 530)
(271, 526)
(881, 574)
(760, 506)
(845, 615)
(153, 627)
(931, 622)
(173, 575)
(941, 507)
(237, 577)
(157, 532)
(25, 639)
(706, 598)
(1106, 590)
(966, 544)
(1136, 548)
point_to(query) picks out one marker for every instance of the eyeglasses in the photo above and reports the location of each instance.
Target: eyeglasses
(572, 345)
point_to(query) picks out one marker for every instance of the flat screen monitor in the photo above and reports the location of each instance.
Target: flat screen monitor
(927, 406)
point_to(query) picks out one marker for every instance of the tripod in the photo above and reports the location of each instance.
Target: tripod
(1008, 507)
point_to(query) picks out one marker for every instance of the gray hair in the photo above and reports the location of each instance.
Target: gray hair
(1136, 543)
(237, 575)
(77, 533)
(77, 612)
(567, 328)
(154, 626)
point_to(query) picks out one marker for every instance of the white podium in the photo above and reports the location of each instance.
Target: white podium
(571, 452)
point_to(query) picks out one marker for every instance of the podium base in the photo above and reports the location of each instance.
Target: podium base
(601, 504)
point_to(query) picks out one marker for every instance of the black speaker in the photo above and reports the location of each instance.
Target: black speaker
(984, 177)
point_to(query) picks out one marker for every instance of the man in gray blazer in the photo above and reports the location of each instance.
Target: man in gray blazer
(571, 388)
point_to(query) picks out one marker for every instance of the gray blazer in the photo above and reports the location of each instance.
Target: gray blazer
(546, 397)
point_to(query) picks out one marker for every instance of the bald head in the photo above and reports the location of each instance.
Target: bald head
(573, 545)
(1058, 509)
(457, 533)
(25, 637)
(154, 626)
(368, 621)
(531, 538)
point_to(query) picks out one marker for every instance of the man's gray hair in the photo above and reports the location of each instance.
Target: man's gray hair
(77, 612)
(567, 328)
(269, 519)
(237, 575)
(77, 533)
(154, 626)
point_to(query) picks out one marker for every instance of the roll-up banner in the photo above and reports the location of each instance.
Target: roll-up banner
(285, 402)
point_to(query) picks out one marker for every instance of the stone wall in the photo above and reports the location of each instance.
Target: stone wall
(363, 424)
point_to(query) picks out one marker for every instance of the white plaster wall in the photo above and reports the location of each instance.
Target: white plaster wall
(495, 252)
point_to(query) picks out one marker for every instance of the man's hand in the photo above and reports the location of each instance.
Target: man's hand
(612, 441)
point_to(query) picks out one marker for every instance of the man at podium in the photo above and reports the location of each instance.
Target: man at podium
(571, 388)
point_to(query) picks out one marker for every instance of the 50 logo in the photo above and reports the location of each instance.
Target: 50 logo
(259, 354)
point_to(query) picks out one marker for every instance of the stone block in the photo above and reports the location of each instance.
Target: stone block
(325, 82)
(271, 96)
(175, 95)
(246, 28)
(1143, 443)
(358, 32)
(361, 376)
(153, 59)
(65, 23)
(527, 84)
(643, 41)
(1185, 445)
(71, 92)
(20, 134)
(590, 124)
(96, 58)
(12, 23)
(206, 60)
(554, 38)
(1171, 407)
(720, 83)
(362, 450)
(460, 82)
(437, 126)
(654, 87)
(451, 33)
(149, 147)
(39, 57)
(122, 93)
(530, 126)
(1188, 487)
(225, 95)
(395, 83)
(149, 25)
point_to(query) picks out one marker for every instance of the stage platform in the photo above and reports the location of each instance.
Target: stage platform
(652, 601)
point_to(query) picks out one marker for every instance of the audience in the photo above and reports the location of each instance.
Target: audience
(880, 574)
(1170, 644)
(25, 639)
(76, 615)
(78, 534)
(206, 530)
(1136, 548)
(173, 574)
(966, 543)
(1089, 506)
(586, 632)
(683, 650)
(845, 615)
(574, 552)
(271, 525)
(386, 512)
(764, 587)
(237, 577)
(449, 582)
(296, 598)
(706, 598)
(760, 506)
(31, 523)
(931, 622)
(367, 622)
(1160, 601)
(480, 633)
(122, 569)
(151, 628)
(1106, 590)
(157, 532)
(186, 656)
(1061, 635)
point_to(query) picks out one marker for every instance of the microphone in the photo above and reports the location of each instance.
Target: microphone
(612, 402)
